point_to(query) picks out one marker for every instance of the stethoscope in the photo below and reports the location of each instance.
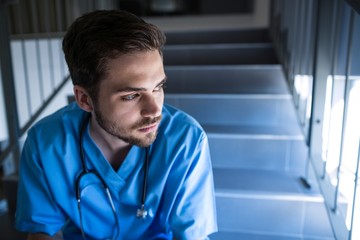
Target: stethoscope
(141, 212)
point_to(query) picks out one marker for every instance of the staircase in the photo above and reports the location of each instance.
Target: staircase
(232, 83)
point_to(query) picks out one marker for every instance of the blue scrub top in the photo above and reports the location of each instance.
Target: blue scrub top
(180, 193)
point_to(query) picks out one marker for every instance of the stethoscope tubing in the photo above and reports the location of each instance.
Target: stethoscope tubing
(140, 212)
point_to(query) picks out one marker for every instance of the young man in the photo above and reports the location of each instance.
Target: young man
(117, 164)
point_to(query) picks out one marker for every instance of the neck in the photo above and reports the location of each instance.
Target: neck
(113, 148)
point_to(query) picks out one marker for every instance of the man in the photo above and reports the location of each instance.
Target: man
(117, 164)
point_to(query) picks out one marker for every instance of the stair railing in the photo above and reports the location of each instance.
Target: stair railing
(8, 86)
(322, 67)
(33, 70)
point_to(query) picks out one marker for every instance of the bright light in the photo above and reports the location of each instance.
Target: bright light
(303, 88)
(350, 150)
(302, 85)
(327, 117)
(333, 125)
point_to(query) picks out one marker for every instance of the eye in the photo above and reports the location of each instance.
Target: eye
(160, 87)
(130, 97)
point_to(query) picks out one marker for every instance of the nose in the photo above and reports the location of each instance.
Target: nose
(152, 106)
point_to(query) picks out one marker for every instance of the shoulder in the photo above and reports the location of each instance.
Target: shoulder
(179, 133)
(176, 122)
(56, 126)
(53, 142)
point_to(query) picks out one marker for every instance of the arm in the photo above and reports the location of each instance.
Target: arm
(36, 210)
(42, 236)
(193, 214)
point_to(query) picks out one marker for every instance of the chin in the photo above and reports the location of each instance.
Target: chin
(144, 141)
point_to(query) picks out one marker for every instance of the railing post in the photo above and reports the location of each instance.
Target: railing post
(12, 118)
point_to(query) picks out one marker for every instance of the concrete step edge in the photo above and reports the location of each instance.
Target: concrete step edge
(279, 196)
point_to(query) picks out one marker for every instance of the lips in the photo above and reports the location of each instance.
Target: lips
(149, 128)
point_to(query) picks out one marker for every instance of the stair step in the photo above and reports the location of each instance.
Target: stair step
(223, 235)
(257, 147)
(281, 132)
(231, 79)
(269, 202)
(276, 184)
(263, 154)
(236, 109)
(220, 54)
(206, 36)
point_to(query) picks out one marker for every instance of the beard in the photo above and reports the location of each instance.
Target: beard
(127, 134)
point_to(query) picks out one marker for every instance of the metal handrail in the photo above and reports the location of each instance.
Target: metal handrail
(11, 147)
(325, 60)
(8, 83)
(26, 21)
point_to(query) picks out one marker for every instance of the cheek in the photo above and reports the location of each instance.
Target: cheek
(115, 112)
(125, 117)
(161, 98)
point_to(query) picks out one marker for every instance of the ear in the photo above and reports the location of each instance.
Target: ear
(83, 99)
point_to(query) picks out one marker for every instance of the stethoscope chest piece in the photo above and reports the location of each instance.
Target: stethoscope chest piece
(142, 212)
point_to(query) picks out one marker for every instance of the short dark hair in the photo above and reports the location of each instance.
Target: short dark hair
(96, 37)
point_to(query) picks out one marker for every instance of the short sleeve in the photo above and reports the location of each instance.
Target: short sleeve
(194, 212)
(36, 210)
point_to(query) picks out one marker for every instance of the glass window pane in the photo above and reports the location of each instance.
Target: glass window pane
(350, 151)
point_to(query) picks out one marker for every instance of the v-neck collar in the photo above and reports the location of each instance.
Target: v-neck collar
(95, 159)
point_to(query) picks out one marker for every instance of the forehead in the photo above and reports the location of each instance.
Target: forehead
(135, 67)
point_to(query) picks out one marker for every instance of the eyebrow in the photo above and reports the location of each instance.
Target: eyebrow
(135, 89)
